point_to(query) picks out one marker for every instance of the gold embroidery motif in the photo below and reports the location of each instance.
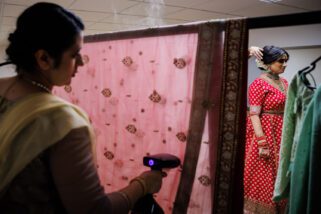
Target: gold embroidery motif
(106, 92)
(181, 136)
(204, 180)
(109, 155)
(128, 61)
(131, 129)
(179, 63)
(155, 97)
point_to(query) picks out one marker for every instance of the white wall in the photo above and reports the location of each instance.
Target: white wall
(299, 59)
(7, 70)
(294, 36)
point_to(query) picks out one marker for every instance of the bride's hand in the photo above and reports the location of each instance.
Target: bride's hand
(256, 51)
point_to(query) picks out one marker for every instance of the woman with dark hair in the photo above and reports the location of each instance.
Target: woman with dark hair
(46, 161)
(267, 95)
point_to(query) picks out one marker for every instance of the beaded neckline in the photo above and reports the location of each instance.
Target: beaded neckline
(276, 82)
(38, 84)
(273, 76)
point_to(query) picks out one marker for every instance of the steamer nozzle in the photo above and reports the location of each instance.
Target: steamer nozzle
(160, 161)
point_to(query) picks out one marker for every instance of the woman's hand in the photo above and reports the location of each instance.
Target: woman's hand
(264, 153)
(263, 146)
(256, 51)
(151, 181)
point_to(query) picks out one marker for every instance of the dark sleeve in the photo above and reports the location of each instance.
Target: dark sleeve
(76, 178)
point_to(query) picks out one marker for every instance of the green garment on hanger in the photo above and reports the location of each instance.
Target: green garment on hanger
(306, 175)
(298, 98)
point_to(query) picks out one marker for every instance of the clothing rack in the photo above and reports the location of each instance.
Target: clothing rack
(311, 67)
(315, 61)
(303, 72)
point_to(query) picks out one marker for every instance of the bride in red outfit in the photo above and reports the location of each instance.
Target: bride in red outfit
(267, 95)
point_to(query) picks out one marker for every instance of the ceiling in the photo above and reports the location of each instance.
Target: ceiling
(101, 16)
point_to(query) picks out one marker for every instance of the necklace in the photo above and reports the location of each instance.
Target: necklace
(38, 84)
(275, 80)
(279, 83)
(273, 76)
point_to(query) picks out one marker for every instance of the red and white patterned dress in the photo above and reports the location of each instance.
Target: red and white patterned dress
(260, 174)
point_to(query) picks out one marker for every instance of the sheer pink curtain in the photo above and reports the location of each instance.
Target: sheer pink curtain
(138, 94)
(178, 90)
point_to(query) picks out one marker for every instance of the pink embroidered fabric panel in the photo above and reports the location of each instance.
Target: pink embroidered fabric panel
(201, 200)
(138, 94)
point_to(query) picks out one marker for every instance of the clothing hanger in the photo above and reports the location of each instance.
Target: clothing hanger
(306, 82)
(307, 70)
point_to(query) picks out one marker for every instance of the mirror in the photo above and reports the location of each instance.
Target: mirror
(304, 46)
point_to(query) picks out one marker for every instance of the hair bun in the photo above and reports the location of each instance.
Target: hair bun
(44, 26)
(12, 37)
(272, 53)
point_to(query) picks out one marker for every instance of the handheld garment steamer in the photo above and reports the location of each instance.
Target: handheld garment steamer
(147, 204)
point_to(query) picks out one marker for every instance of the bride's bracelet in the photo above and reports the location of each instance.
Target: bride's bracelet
(261, 141)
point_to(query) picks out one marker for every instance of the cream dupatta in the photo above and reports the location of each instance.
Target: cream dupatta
(30, 126)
